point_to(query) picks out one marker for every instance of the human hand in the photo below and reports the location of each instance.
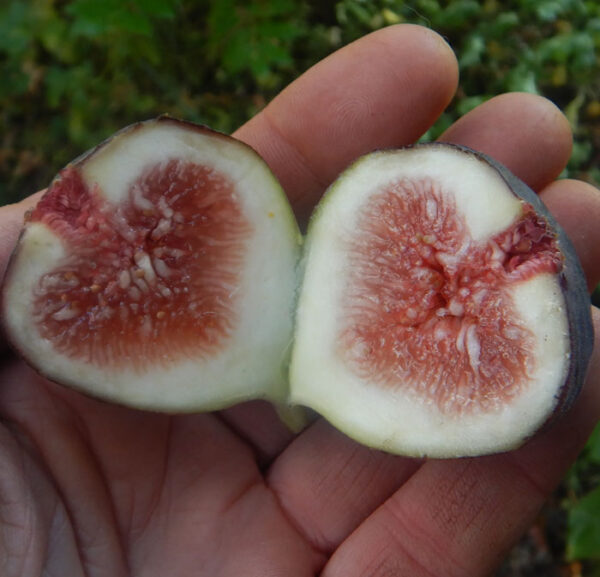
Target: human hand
(89, 488)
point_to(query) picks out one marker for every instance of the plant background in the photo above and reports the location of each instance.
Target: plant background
(74, 71)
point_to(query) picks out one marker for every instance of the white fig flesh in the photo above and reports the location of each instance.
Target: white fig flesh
(159, 271)
(442, 312)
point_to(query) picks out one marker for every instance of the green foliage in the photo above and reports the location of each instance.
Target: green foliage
(76, 70)
(584, 527)
(254, 38)
(583, 538)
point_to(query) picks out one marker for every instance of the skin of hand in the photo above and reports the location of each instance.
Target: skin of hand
(88, 488)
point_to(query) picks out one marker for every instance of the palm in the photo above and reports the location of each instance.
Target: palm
(90, 488)
(144, 494)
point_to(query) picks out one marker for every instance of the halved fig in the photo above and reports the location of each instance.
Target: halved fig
(159, 271)
(443, 312)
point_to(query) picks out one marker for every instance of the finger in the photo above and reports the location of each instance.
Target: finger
(328, 483)
(460, 517)
(527, 133)
(576, 206)
(383, 90)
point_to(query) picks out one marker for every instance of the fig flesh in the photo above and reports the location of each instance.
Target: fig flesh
(443, 312)
(159, 271)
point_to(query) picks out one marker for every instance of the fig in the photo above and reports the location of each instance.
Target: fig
(159, 270)
(443, 311)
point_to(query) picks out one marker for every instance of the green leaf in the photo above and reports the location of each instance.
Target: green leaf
(53, 35)
(279, 30)
(159, 8)
(133, 22)
(505, 22)
(92, 17)
(222, 18)
(584, 528)
(272, 9)
(457, 14)
(522, 79)
(14, 83)
(56, 82)
(593, 446)
(428, 8)
(16, 32)
(472, 52)
(238, 53)
(581, 153)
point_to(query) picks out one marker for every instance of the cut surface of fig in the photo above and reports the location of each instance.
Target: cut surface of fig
(159, 270)
(442, 312)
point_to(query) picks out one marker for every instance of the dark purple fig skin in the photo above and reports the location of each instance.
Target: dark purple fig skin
(572, 280)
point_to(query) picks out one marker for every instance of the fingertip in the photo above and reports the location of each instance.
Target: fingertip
(434, 51)
(526, 132)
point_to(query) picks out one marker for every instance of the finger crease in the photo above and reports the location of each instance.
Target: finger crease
(293, 148)
(400, 521)
(298, 528)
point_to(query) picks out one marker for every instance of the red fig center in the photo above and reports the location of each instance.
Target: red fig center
(151, 277)
(430, 309)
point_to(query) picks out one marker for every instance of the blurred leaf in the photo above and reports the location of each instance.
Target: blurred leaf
(222, 18)
(522, 79)
(272, 9)
(581, 152)
(456, 14)
(473, 51)
(159, 8)
(593, 446)
(14, 83)
(15, 32)
(52, 38)
(573, 109)
(584, 528)
(360, 11)
(91, 17)
(254, 37)
(57, 82)
(133, 21)
(549, 11)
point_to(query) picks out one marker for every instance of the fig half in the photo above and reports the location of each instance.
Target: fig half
(159, 271)
(443, 311)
